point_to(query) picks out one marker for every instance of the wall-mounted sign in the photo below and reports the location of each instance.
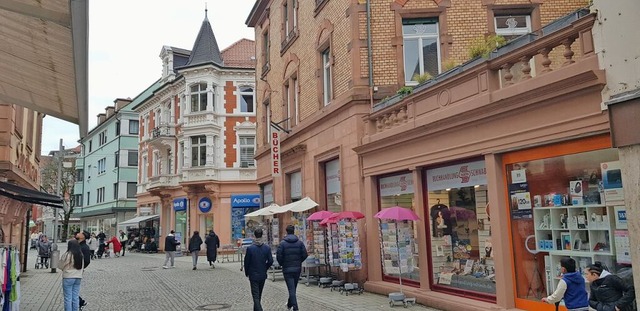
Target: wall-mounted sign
(295, 183)
(457, 176)
(394, 185)
(204, 204)
(180, 204)
(245, 200)
(267, 192)
(275, 153)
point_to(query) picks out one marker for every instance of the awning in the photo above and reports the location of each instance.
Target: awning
(139, 219)
(267, 211)
(44, 57)
(300, 206)
(29, 195)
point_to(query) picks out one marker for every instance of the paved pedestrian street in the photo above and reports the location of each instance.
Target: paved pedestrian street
(138, 282)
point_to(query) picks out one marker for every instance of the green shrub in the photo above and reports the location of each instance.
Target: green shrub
(422, 78)
(449, 64)
(484, 45)
(405, 90)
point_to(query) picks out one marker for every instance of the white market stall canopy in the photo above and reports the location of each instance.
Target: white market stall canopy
(300, 206)
(267, 211)
(44, 57)
(137, 220)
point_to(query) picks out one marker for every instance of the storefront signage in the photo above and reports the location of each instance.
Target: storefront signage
(332, 173)
(267, 192)
(621, 217)
(457, 176)
(204, 204)
(145, 210)
(275, 153)
(245, 200)
(295, 182)
(180, 204)
(395, 185)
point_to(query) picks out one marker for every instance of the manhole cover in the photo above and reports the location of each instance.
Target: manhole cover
(215, 306)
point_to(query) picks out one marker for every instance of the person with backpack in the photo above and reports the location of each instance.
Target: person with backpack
(608, 291)
(194, 247)
(571, 288)
(257, 260)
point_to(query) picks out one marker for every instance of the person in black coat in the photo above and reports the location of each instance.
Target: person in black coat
(608, 291)
(170, 247)
(291, 254)
(257, 260)
(213, 243)
(194, 247)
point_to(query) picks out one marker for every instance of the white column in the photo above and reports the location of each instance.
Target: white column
(211, 155)
(210, 95)
(187, 152)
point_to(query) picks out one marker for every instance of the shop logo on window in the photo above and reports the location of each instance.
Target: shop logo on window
(464, 173)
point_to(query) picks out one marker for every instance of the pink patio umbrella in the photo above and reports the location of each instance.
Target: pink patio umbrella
(349, 215)
(332, 219)
(319, 215)
(397, 213)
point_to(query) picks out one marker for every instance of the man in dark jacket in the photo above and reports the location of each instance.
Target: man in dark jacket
(170, 244)
(82, 237)
(257, 260)
(213, 243)
(608, 291)
(291, 254)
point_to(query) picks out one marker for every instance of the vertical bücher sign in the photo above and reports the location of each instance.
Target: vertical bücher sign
(276, 164)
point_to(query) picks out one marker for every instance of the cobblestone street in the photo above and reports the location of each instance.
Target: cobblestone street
(138, 282)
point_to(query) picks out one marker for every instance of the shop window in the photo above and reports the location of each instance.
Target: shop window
(206, 225)
(199, 97)
(332, 184)
(267, 194)
(565, 205)
(398, 190)
(421, 48)
(459, 230)
(181, 233)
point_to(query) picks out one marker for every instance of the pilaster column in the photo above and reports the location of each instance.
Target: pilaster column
(210, 97)
(211, 154)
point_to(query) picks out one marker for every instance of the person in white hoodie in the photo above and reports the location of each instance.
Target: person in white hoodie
(72, 265)
(92, 242)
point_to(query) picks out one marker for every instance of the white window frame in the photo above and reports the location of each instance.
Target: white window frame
(200, 162)
(198, 93)
(512, 31)
(242, 92)
(100, 196)
(327, 87)
(420, 37)
(240, 146)
(145, 168)
(137, 127)
(102, 166)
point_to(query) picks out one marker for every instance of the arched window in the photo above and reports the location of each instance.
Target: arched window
(199, 97)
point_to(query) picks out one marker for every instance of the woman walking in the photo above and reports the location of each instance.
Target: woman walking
(194, 247)
(71, 264)
(213, 243)
(92, 242)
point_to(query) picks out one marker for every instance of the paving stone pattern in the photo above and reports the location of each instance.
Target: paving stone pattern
(138, 282)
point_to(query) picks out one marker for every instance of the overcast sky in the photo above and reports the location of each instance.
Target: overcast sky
(125, 40)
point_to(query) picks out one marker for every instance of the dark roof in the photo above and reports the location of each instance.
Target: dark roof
(29, 195)
(205, 49)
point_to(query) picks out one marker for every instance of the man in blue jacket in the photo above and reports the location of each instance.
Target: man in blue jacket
(291, 254)
(257, 260)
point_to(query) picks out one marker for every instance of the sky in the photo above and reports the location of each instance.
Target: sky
(125, 40)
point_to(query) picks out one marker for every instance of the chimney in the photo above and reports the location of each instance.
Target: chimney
(101, 118)
(110, 110)
(121, 102)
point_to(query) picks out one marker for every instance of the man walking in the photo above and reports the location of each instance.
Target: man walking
(257, 260)
(124, 240)
(82, 237)
(170, 244)
(291, 253)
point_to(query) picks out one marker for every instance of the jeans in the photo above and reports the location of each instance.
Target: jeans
(256, 293)
(169, 255)
(194, 257)
(71, 290)
(292, 284)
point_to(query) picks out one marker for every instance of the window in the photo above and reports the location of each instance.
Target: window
(198, 151)
(102, 166)
(102, 137)
(115, 191)
(291, 101)
(147, 130)
(332, 186)
(134, 127)
(290, 22)
(132, 158)
(77, 200)
(131, 190)
(88, 198)
(421, 48)
(326, 76)
(117, 159)
(90, 145)
(117, 128)
(79, 175)
(267, 123)
(266, 43)
(169, 161)
(246, 99)
(199, 97)
(156, 163)
(143, 173)
(512, 26)
(100, 197)
(247, 149)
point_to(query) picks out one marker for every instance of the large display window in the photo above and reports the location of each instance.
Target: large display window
(181, 227)
(460, 230)
(564, 200)
(398, 190)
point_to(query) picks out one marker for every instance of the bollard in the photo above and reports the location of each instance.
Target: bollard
(55, 257)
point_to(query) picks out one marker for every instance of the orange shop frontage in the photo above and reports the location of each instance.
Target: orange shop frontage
(507, 179)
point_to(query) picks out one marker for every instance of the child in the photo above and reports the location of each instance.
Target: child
(571, 288)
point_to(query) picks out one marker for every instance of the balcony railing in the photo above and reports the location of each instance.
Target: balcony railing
(165, 180)
(163, 130)
(560, 49)
(289, 38)
(265, 68)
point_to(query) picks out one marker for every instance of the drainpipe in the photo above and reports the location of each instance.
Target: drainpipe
(369, 52)
(118, 171)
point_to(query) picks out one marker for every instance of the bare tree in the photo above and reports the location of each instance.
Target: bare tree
(49, 176)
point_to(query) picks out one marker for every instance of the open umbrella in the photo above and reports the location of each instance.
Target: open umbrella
(396, 214)
(319, 215)
(349, 215)
(332, 219)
